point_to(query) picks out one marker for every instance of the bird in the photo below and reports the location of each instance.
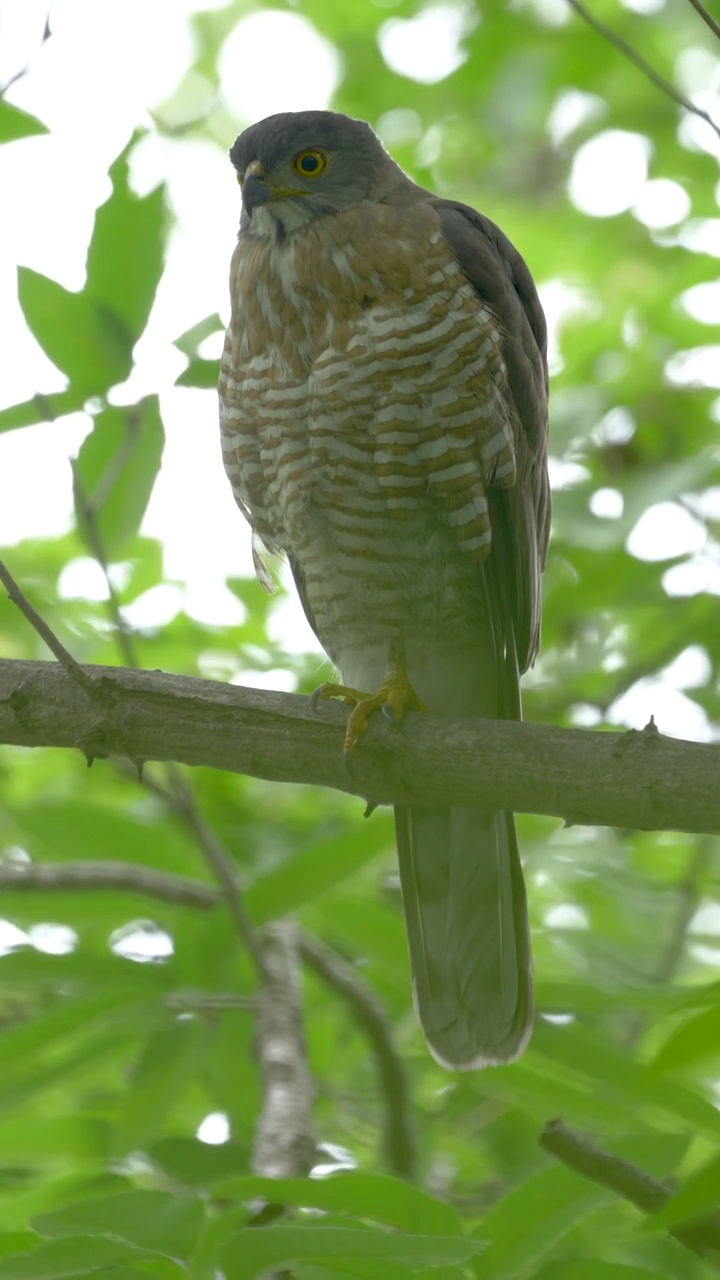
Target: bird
(384, 411)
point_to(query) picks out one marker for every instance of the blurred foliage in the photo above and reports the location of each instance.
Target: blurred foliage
(109, 1065)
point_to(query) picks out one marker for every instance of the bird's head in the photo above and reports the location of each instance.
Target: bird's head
(302, 165)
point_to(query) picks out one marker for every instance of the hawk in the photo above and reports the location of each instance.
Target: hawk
(383, 405)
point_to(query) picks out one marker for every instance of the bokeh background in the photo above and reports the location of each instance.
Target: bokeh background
(120, 209)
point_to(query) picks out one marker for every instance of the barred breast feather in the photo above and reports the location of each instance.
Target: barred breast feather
(365, 411)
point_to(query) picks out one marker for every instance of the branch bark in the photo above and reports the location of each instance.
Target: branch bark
(284, 1145)
(638, 779)
(341, 978)
(626, 1180)
(369, 1014)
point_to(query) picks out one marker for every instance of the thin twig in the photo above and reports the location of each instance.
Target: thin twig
(127, 877)
(115, 466)
(625, 1180)
(88, 509)
(330, 967)
(706, 17)
(283, 1144)
(47, 635)
(177, 795)
(19, 75)
(368, 1013)
(182, 802)
(94, 875)
(210, 1001)
(627, 50)
(688, 894)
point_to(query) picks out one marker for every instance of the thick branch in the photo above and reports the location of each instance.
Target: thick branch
(284, 1146)
(625, 1180)
(636, 779)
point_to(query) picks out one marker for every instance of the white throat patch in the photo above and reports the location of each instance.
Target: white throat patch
(291, 214)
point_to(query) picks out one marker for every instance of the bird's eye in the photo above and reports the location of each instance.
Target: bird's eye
(311, 163)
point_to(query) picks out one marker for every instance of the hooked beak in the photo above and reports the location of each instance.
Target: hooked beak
(255, 190)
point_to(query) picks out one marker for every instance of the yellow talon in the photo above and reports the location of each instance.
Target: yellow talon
(396, 692)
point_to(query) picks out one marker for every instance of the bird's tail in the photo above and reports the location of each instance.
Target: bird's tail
(467, 924)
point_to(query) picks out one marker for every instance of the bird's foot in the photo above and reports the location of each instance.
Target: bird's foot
(394, 697)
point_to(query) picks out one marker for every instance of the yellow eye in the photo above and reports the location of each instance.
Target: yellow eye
(311, 163)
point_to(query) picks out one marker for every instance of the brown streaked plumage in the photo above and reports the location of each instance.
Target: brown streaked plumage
(383, 398)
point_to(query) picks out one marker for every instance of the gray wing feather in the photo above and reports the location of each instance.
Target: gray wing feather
(521, 529)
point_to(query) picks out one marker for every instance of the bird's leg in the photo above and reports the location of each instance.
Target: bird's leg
(395, 696)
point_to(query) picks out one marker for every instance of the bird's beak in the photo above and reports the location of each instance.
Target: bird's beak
(254, 188)
(256, 191)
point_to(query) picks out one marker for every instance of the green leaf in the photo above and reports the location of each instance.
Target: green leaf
(360, 1195)
(115, 471)
(155, 1221)
(548, 1206)
(192, 338)
(70, 1137)
(87, 828)
(594, 1269)
(14, 1242)
(84, 340)
(15, 123)
(198, 1164)
(199, 373)
(125, 258)
(27, 1041)
(694, 1041)
(75, 1255)
(252, 1251)
(90, 335)
(312, 871)
(169, 1060)
(617, 1077)
(699, 1195)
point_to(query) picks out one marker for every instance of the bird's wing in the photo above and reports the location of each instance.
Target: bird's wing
(520, 516)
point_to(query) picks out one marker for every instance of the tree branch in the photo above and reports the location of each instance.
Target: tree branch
(330, 967)
(87, 521)
(369, 1014)
(637, 779)
(627, 1181)
(688, 895)
(710, 22)
(284, 1146)
(47, 635)
(180, 800)
(647, 70)
(93, 875)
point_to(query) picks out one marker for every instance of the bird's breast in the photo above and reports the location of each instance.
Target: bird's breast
(365, 409)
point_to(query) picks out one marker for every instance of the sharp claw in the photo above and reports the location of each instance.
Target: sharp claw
(315, 697)
(392, 719)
